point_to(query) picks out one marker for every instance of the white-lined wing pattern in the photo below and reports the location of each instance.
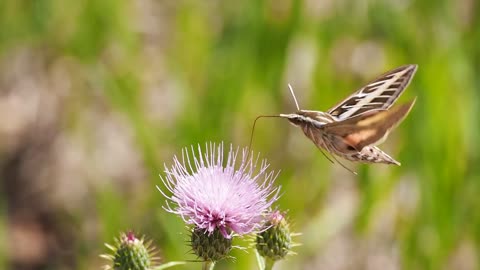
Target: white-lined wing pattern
(379, 94)
(353, 128)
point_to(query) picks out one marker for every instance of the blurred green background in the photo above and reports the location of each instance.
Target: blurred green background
(95, 96)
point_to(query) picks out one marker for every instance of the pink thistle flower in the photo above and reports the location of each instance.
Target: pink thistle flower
(213, 193)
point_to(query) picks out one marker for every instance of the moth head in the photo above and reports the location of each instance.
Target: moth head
(296, 118)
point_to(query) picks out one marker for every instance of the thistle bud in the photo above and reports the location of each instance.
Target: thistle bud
(210, 246)
(130, 253)
(274, 242)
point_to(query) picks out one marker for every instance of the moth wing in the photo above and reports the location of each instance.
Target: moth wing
(370, 128)
(379, 94)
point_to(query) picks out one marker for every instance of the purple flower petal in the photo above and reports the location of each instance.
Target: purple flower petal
(213, 193)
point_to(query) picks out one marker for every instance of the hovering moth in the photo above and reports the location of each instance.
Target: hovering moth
(354, 127)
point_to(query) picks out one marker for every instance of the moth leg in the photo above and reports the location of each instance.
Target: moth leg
(341, 164)
(317, 144)
(325, 155)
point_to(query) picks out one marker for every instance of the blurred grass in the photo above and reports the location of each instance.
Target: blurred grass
(228, 63)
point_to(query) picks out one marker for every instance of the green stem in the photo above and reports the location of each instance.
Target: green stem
(269, 263)
(208, 265)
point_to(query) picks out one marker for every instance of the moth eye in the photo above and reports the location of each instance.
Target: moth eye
(294, 121)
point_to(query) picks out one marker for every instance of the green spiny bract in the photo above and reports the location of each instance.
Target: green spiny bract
(210, 247)
(274, 242)
(130, 253)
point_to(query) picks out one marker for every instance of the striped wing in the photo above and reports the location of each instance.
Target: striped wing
(370, 128)
(379, 94)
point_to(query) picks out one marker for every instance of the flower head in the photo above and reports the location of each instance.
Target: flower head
(130, 252)
(275, 241)
(214, 193)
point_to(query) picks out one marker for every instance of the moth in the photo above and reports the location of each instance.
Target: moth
(353, 128)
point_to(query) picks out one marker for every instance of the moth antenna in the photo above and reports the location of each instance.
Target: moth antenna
(253, 128)
(293, 95)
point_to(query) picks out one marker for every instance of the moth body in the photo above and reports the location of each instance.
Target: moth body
(353, 128)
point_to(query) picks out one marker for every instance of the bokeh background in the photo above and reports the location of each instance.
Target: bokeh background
(95, 96)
